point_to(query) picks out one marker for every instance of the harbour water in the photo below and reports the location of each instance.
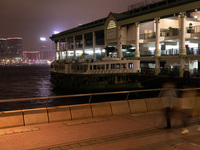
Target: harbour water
(18, 82)
(25, 82)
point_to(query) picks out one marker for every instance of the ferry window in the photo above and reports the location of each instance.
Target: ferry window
(123, 65)
(98, 67)
(102, 66)
(112, 66)
(130, 65)
(90, 67)
(94, 67)
(85, 68)
(107, 66)
(117, 66)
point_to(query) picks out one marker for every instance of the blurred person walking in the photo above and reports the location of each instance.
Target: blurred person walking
(187, 106)
(170, 95)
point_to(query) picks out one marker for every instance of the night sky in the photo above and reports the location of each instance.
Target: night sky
(32, 19)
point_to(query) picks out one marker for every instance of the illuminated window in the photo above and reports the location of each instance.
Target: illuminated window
(117, 66)
(130, 65)
(111, 25)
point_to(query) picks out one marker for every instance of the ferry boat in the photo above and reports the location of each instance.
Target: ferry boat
(152, 38)
(101, 75)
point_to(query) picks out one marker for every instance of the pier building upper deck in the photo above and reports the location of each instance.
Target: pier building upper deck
(163, 36)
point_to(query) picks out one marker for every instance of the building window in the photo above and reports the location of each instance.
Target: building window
(107, 66)
(112, 66)
(117, 66)
(130, 65)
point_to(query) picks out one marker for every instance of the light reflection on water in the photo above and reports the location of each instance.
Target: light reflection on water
(24, 82)
(34, 81)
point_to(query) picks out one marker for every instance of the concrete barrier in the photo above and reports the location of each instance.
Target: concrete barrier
(120, 108)
(11, 119)
(154, 104)
(35, 116)
(101, 109)
(81, 111)
(196, 111)
(61, 113)
(138, 106)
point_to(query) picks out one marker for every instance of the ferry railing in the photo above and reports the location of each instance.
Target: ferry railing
(90, 95)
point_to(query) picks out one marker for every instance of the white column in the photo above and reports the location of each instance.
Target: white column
(57, 46)
(182, 49)
(59, 50)
(119, 44)
(157, 50)
(74, 40)
(83, 40)
(66, 49)
(105, 51)
(137, 37)
(94, 45)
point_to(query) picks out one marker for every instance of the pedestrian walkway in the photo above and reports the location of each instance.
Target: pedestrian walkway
(128, 132)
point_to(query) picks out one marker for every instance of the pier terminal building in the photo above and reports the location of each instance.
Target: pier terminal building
(164, 36)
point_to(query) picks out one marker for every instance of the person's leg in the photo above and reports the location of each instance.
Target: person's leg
(167, 116)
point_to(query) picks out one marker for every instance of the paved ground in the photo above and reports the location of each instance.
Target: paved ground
(141, 132)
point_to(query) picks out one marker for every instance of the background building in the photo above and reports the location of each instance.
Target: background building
(11, 47)
(3, 47)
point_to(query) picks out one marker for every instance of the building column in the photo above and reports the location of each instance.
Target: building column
(105, 55)
(59, 50)
(74, 41)
(66, 49)
(94, 45)
(137, 37)
(182, 67)
(182, 49)
(157, 67)
(157, 50)
(83, 40)
(119, 45)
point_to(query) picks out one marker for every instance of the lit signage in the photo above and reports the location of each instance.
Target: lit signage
(111, 24)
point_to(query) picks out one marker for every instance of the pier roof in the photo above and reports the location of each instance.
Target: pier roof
(135, 13)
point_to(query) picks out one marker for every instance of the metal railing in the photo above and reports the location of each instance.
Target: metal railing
(91, 96)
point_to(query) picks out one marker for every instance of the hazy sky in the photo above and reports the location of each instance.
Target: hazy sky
(32, 19)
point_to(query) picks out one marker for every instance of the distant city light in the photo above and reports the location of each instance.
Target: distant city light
(43, 39)
(56, 32)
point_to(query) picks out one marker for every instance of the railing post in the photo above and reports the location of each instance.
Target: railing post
(127, 95)
(47, 110)
(47, 102)
(90, 99)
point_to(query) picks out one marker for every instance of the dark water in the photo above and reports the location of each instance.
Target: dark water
(18, 82)
(25, 82)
